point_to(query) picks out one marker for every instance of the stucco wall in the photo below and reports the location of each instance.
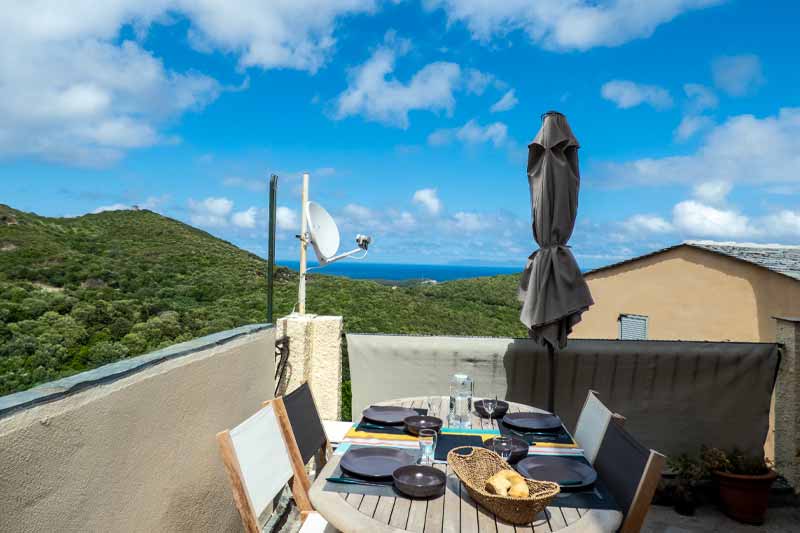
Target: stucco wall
(139, 453)
(690, 294)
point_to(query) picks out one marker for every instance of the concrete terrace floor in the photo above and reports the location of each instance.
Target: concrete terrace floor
(709, 519)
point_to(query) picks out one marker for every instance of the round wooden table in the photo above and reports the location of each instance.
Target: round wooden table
(454, 512)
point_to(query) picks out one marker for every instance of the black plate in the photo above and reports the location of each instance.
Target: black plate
(375, 463)
(519, 449)
(499, 411)
(419, 481)
(388, 414)
(417, 422)
(568, 473)
(533, 421)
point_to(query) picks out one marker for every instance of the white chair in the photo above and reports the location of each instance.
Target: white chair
(259, 465)
(592, 425)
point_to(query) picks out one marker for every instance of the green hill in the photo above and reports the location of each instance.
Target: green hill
(76, 293)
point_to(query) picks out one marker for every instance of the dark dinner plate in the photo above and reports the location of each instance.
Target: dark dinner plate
(418, 422)
(568, 473)
(499, 411)
(419, 481)
(388, 414)
(533, 421)
(375, 463)
(519, 448)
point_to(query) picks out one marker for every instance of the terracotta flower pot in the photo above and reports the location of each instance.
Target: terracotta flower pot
(744, 498)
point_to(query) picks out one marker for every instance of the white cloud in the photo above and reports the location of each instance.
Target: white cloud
(287, 219)
(508, 101)
(112, 207)
(648, 224)
(471, 133)
(74, 91)
(377, 95)
(696, 219)
(566, 24)
(691, 125)
(700, 97)
(152, 203)
(469, 222)
(737, 75)
(478, 81)
(627, 94)
(211, 212)
(429, 200)
(245, 219)
(744, 149)
(712, 192)
(783, 223)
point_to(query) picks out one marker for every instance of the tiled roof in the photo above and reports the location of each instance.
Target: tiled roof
(779, 258)
(782, 259)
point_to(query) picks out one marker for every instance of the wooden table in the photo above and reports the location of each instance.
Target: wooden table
(454, 512)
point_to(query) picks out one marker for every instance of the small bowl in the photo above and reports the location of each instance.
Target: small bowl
(519, 449)
(499, 411)
(418, 422)
(419, 481)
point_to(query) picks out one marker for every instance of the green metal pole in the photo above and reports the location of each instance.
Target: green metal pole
(273, 195)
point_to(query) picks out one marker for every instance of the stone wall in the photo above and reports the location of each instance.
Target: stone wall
(315, 356)
(787, 402)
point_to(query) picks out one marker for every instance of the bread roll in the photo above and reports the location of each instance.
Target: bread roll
(507, 483)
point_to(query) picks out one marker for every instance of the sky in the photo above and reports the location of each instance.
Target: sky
(412, 118)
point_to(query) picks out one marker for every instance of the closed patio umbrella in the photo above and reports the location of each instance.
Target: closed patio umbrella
(552, 289)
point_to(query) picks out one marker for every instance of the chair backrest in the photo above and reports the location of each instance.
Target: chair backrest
(258, 465)
(309, 434)
(631, 472)
(591, 427)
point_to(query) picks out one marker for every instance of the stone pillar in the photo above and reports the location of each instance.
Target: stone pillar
(787, 401)
(315, 356)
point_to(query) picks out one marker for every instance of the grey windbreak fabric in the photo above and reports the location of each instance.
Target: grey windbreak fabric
(675, 395)
(552, 289)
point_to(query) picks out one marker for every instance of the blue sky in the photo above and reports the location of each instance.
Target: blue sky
(412, 117)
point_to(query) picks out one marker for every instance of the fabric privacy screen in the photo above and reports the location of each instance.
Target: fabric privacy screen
(305, 421)
(675, 395)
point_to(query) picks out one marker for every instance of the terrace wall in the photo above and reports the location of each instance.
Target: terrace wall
(131, 446)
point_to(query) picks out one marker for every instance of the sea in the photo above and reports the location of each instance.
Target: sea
(402, 272)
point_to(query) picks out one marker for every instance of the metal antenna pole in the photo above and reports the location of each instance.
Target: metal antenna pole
(301, 291)
(273, 196)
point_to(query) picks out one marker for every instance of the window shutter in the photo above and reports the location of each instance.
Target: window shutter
(632, 327)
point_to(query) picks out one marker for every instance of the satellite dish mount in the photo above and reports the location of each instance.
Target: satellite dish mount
(318, 228)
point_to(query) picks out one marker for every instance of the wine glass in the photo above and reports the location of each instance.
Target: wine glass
(427, 445)
(502, 447)
(490, 405)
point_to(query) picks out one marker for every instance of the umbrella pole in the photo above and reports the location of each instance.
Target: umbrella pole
(551, 392)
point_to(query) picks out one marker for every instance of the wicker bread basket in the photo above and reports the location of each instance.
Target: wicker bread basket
(475, 467)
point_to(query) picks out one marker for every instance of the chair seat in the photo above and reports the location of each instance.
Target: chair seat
(315, 523)
(336, 430)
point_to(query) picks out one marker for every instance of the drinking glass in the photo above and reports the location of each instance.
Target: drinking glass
(490, 404)
(427, 445)
(502, 447)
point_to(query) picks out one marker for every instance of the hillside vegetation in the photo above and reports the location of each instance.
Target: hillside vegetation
(76, 293)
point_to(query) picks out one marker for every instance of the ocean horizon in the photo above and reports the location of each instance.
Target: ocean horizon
(402, 272)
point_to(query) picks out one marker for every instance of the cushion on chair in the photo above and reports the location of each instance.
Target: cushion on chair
(305, 421)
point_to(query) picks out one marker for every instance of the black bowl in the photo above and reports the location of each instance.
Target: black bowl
(419, 481)
(418, 422)
(519, 449)
(499, 411)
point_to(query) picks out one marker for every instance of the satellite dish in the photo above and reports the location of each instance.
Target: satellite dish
(324, 235)
(323, 230)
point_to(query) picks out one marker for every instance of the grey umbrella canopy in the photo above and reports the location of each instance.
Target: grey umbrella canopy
(552, 289)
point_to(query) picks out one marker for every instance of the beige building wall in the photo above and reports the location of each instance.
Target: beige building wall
(690, 294)
(138, 454)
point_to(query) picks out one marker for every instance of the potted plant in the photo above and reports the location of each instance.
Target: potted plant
(687, 472)
(744, 482)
